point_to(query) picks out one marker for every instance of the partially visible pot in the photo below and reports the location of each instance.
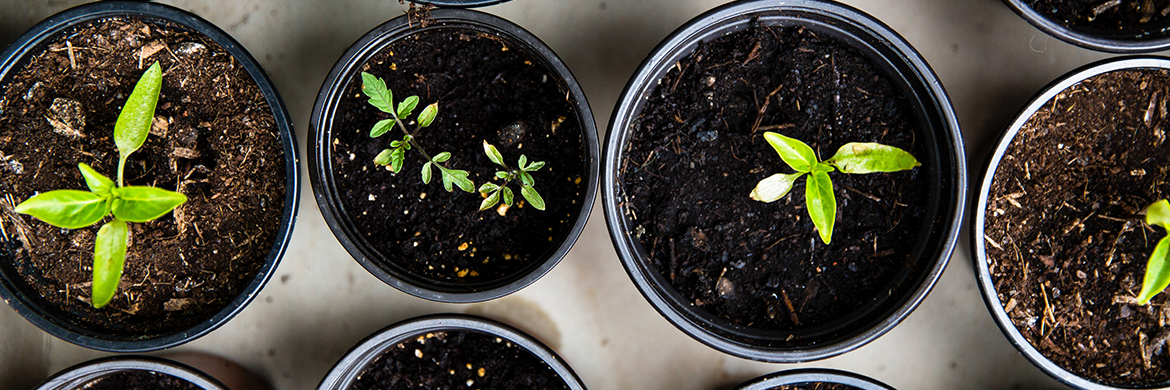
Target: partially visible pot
(806, 378)
(1141, 39)
(351, 366)
(80, 375)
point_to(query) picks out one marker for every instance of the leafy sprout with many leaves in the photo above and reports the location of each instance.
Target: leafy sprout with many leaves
(853, 157)
(496, 192)
(75, 209)
(1157, 270)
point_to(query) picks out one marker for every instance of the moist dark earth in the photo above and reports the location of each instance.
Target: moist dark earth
(815, 386)
(1116, 15)
(139, 380)
(488, 90)
(458, 360)
(1065, 235)
(697, 150)
(214, 140)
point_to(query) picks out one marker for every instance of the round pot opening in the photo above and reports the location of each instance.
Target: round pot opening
(794, 379)
(1105, 275)
(84, 374)
(75, 324)
(941, 154)
(461, 263)
(419, 330)
(1141, 38)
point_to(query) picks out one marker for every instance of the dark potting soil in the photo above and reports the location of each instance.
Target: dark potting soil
(695, 153)
(1065, 242)
(487, 89)
(458, 360)
(215, 140)
(139, 380)
(1106, 14)
(815, 386)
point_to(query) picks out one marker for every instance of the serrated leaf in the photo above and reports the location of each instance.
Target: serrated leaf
(442, 157)
(488, 187)
(428, 115)
(109, 257)
(822, 203)
(535, 166)
(142, 204)
(133, 124)
(426, 173)
(383, 158)
(796, 154)
(406, 107)
(532, 196)
(774, 187)
(490, 201)
(493, 153)
(526, 178)
(506, 195)
(1158, 214)
(869, 157)
(70, 209)
(98, 183)
(461, 180)
(382, 127)
(380, 96)
(1157, 272)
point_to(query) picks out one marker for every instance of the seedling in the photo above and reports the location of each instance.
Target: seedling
(497, 192)
(853, 157)
(1157, 271)
(75, 209)
(383, 99)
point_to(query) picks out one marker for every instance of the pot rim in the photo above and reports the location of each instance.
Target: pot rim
(683, 40)
(79, 374)
(32, 41)
(978, 245)
(320, 174)
(1086, 39)
(342, 374)
(806, 375)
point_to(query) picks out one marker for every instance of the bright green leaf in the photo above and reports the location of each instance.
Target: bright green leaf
(426, 173)
(142, 204)
(109, 255)
(796, 154)
(460, 179)
(428, 115)
(822, 204)
(98, 184)
(382, 127)
(397, 157)
(488, 187)
(133, 124)
(490, 201)
(407, 106)
(506, 194)
(1158, 214)
(526, 178)
(504, 175)
(822, 167)
(774, 187)
(380, 96)
(70, 209)
(1157, 272)
(535, 166)
(383, 158)
(532, 196)
(493, 153)
(523, 163)
(442, 157)
(857, 157)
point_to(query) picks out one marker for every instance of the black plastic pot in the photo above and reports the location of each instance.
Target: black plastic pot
(978, 230)
(77, 376)
(813, 375)
(1150, 39)
(63, 324)
(346, 370)
(321, 174)
(944, 164)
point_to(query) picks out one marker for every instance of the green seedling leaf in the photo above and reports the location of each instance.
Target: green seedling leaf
(133, 124)
(109, 256)
(506, 195)
(406, 107)
(70, 209)
(442, 157)
(796, 154)
(98, 184)
(532, 196)
(426, 173)
(488, 187)
(526, 178)
(822, 204)
(383, 158)
(774, 187)
(534, 166)
(857, 157)
(493, 153)
(461, 180)
(1157, 272)
(143, 204)
(380, 96)
(504, 175)
(397, 157)
(382, 127)
(523, 163)
(490, 201)
(1158, 214)
(428, 115)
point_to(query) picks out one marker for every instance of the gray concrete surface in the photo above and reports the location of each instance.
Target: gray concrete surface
(321, 302)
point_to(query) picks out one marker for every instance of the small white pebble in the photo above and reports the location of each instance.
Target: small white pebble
(372, 197)
(418, 353)
(351, 157)
(470, 382)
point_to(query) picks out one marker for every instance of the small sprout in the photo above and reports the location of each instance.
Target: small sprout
(75, 209)
(1157, 272)
(853, 157)
(494, 193)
